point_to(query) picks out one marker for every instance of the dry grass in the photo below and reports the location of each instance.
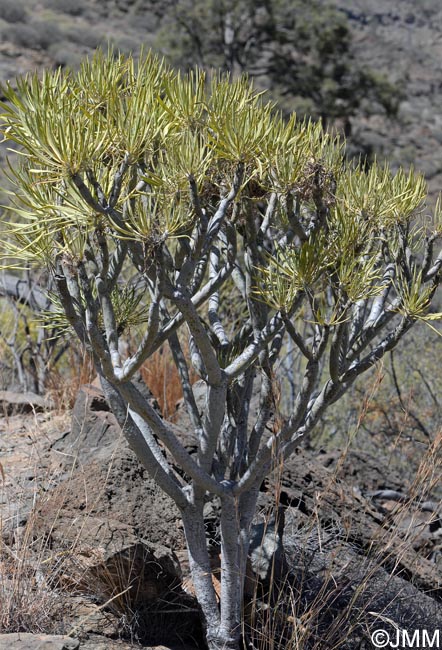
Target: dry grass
(161, 376)
(29, 601)
(159, 372)
(63, 383)
(333, 605)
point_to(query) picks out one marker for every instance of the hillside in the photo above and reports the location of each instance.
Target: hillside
(404, 38)
(401, 38)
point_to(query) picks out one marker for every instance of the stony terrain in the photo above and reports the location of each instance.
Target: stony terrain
(80, 519)
(404, 38)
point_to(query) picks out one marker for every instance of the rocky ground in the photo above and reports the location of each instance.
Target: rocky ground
(91, 549)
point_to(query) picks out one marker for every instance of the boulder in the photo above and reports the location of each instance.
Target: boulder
(105, 481)
(12, 402)
(127, 573)
(113, 493)
(26, 641)
(94, 430)
(336, 580)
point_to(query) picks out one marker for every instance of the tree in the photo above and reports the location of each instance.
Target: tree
(148, 195)
(33, 351)
(301, 51)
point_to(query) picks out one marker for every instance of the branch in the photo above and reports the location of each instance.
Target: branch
(249, 355)
(264, 412)
(191, 316)
(206, 237)
(214, 319)
(218, 218)
(146, 346)
(387, 344)
(337, 351)
(116, 263)
(140, 445)
(183, 371)
(87, 196)
(25, 292)
(94, 334)
(271, 206)
(118, 180)
(296, 338)
(138, 404)
(435, 269)
(378, 305)
(212, 423)
(369, 333)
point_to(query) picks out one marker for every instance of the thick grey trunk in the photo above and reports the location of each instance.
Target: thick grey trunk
(231, 578)
(201, 571)
(223, 623)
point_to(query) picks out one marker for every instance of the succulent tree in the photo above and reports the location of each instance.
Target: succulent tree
(158, 201)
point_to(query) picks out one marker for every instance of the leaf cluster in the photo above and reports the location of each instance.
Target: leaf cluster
(127, 155)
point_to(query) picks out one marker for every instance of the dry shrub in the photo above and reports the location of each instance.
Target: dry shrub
(161, 376)
(72, 7)
(64, 381)
(13, 11)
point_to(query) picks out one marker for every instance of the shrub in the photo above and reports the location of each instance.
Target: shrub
(86, 36)
(38, 36)
(72, 7)
(13, 11)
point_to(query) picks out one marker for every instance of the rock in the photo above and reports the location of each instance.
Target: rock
(22, 641)
(114, 493)
(319, 494)
(102, 470)
(128, 573)
(331, 577)
(94, 429)
(12, 402)
(24, 438)
(90, 617)
(347, 555)
(267, 555)
(95, 642)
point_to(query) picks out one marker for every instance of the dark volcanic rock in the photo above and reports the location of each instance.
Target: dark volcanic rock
(94, 430)
(113, 489)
